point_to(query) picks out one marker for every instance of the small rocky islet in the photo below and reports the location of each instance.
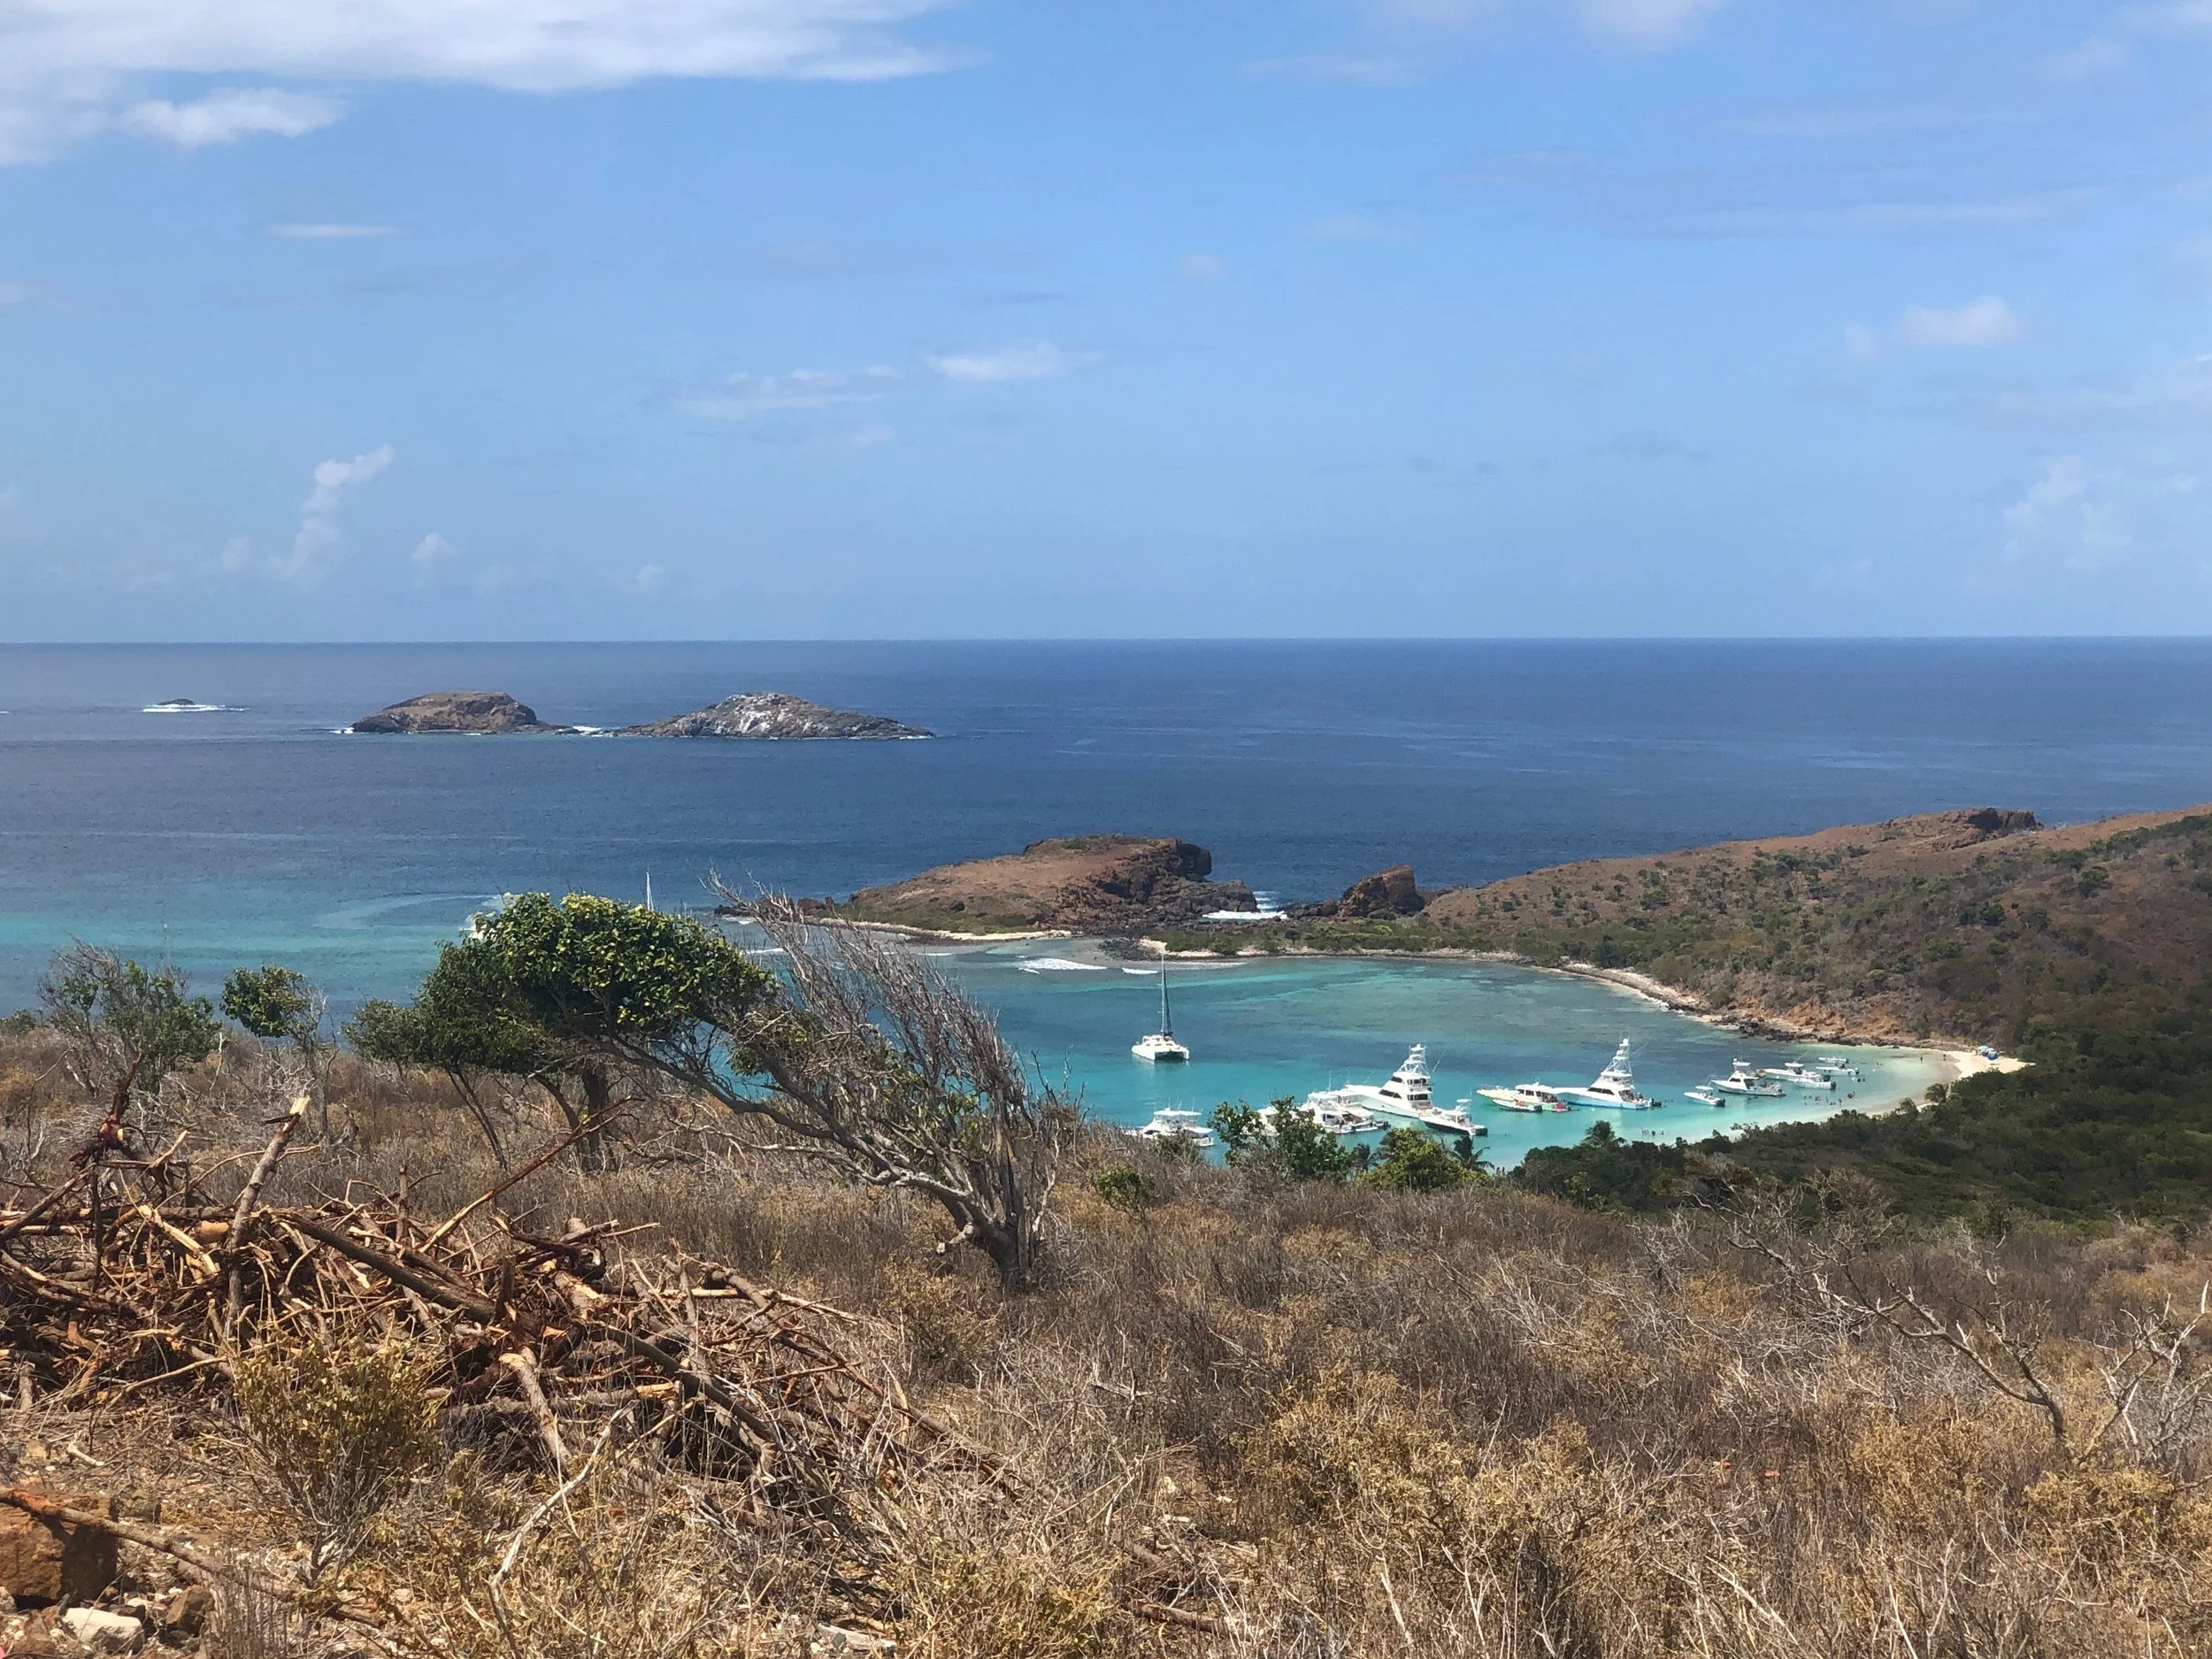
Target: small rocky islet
(749, 716)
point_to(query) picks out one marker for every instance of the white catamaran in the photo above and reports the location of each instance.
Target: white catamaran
(1160, 1046)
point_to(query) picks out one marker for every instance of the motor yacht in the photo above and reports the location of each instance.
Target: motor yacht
(1334, 1115)
(1175, 1122)
(1406, 1098)
(1161, 1047)
(1798, 1073)
(1615, 1089)
(1745, 1079)
(1526, 1097)
(1838, 1068)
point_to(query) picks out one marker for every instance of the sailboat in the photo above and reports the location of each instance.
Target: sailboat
(1160, 1046)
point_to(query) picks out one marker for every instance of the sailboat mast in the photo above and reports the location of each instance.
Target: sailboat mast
(1167, 1024)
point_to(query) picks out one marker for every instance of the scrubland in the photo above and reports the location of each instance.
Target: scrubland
(1238, 1416)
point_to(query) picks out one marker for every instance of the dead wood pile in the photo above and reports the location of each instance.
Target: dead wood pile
(127, 1278)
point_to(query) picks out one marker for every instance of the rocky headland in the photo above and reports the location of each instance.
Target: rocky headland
(481, 713)
(775, 716)
(1083, 884)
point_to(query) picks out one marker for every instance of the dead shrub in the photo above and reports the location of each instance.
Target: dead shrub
(336, 1432)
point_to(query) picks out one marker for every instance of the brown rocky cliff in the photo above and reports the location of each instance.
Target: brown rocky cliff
(1091, 884)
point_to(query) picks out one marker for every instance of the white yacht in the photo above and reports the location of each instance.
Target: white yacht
(1406, 1099)
(1838, 1068)
(1615, 1089)
(1526, 1097)
(1161, 1046)
(1174, 1123)
(1705, 1097)
(1798, 1073)
(1335, 1117)
(1745, 1079)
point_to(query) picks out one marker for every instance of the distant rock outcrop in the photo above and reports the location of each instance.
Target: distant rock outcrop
(1085, 884)
(773, 716)
(1386, 892)
(467, 711)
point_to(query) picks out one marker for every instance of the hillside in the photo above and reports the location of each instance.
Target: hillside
(1964, 927)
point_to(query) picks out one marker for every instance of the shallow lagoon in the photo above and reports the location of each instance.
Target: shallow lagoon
(1262, 1027)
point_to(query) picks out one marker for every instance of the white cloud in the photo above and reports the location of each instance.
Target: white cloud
(318, 535)
(2098, 55)
(2086, 517)
(328, 230)
(1022, 360)
(2059, 514)
(649, 577)
(65, 65)
(226, 116)
(1200, 268)
(1987, 321)
(1646, 23)
(745, 397)
(15, 294)
(432, 551)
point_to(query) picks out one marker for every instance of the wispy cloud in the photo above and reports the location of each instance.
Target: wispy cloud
(1021, 360)
(328, 230)
(2176, 395)
(1987, 321)
(431, 552)
(317, 538)
(1649, 24)
(67, 67)
(1200, 268)
(748, 396)
(229, 115)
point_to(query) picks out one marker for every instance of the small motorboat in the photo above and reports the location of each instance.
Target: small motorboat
(1175, 1122)
(1745, 1079)
(1706, 1097)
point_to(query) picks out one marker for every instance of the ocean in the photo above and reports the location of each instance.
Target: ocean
(260, 833)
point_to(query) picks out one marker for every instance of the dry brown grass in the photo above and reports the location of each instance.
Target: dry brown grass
(1266, 1420)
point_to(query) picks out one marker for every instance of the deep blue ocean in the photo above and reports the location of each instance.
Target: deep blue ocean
(262, 833)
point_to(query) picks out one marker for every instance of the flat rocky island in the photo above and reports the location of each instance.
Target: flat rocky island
(484, 713)
(1084, 884)
(775, 716)
(759, 716)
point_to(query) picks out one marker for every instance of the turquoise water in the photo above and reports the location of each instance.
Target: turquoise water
(1259, 1028)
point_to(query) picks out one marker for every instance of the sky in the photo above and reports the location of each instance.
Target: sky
(847, 318)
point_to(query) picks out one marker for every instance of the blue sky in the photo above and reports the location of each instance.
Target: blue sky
(602, 319)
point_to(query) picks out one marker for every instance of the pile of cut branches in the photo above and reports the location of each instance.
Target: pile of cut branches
(127, 1278)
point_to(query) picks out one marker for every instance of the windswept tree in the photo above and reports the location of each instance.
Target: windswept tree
(278, 1004)
(124, 1027)
(462, 1023)
(862, 1055)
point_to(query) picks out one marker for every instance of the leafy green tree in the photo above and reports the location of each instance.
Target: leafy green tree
(1282, 1138)
(1413, 1161)
(467, 1022)
(1240, 1129)
(279, 1005)
(125, 1027)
